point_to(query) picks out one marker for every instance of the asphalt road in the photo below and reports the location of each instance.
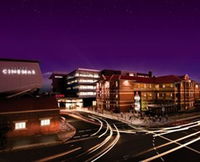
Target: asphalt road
(100, 139)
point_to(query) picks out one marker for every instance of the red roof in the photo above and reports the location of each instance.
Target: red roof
(161, 79)
(168, 79)
(28, 103)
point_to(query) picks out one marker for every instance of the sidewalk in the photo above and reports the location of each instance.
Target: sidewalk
(129, 119)
(19, 143)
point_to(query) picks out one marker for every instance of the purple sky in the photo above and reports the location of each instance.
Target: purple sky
(139, 35)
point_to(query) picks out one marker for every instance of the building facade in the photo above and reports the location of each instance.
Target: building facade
(81, 84)
(120, 93)
(76, 89)
(23, 111)
(58, 83)
(27, 116)
(19, 76)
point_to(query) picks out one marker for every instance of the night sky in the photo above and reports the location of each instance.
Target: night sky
(139, 35)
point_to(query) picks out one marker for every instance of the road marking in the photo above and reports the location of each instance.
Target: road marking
(171, 150)
(85, 130)
(77, 136)
(180, 144)
(85, 135)
(171, 142)
(58, 155)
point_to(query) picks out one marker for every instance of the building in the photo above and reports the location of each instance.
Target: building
(58, 83)
(27, 116)
(124, 92)
(23, 111)
(79, 88)
(19, 76)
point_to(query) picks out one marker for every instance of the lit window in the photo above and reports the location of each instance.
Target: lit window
(87, 81)
(20, 125)
(87, 93)
(45, 122)
(107, 84)
(126, 83)
(116, 83)
(87, 87)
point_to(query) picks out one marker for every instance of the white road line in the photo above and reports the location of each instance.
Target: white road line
(171, 142)
(171, 150)
(180, 144)
(77, 136)
(84, 135)
(58, 155)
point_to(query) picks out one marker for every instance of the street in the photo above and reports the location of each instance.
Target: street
(102, 139)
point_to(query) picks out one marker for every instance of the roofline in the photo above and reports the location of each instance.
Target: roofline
(17, 60)
(27, 111)
(85, 69)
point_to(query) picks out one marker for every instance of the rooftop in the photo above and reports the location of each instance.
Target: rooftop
(28, 103)
(160, 79)
(17, 60)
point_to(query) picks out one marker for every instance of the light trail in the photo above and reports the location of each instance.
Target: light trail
(104, 142)
(107, 149)
(58, 155)
(180, 144)
(171, 142)
(171, 150)
(178, 130)
(107, 127)
(101, 125)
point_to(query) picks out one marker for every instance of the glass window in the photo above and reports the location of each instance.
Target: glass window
(20, 125)
(45, 122)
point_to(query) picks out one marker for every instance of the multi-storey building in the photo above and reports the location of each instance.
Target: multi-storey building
(119, 92)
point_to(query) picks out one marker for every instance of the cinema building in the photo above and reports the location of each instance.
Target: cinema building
(79, 88)
(124, 92)
(23, 111)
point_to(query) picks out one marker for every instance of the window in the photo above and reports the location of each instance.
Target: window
(87, 93)
(107, 84)
(87, 81)
(20, 125)
(45, 122)
(116, 83)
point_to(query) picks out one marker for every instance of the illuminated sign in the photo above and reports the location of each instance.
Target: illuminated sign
(137, 103)
(18, 72)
